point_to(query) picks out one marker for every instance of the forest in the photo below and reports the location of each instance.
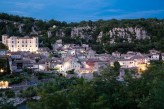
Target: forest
(104, 91)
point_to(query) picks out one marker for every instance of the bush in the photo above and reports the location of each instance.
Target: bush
(71, 72)
(1, 94)
(10, 94)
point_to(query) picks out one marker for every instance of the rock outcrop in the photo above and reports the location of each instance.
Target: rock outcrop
(128, 33)
(82, 32)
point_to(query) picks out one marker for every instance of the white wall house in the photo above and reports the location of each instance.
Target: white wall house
(71, 64)
(137, 61)
(21, 43)
(163, 56)
(154, 57)
(127, 63)
(66, 65)
(124, 63)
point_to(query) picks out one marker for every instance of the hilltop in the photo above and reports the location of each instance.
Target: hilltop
(102, 35)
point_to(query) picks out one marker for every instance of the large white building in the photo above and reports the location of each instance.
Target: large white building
(21, 43)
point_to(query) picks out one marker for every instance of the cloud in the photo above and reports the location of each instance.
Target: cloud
(77, 10)
(134, 14)
(18, 12)
(24, 8)
(83, 5)
(108, 11)
(27, 5)
(139, 14)
(114, 10)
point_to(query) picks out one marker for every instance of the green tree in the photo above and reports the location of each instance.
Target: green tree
(10, 93)
(2, 46)
(117, 66)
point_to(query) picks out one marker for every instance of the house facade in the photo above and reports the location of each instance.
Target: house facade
(21, 43)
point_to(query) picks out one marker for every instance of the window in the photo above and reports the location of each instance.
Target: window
(22, 41)
(12, 45)
(22, 45)
(12, 41)
(36, 46)
(26, 45)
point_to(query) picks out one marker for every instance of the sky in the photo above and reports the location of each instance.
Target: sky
(78, 10)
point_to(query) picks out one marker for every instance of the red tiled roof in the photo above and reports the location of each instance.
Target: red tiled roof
(90, 63)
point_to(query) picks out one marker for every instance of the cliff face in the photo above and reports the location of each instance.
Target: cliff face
(113, 31)
(82, 32)
(102, 35)
(78, 31)
(127, 34)
(138, 33)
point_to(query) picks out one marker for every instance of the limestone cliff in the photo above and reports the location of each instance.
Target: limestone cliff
(128, 33)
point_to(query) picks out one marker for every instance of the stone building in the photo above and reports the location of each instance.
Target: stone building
(21, 43)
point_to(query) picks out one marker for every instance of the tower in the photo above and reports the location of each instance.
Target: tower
(4, 39)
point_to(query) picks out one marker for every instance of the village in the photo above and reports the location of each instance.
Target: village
(69, 60)
(81, 54)
(66, 59)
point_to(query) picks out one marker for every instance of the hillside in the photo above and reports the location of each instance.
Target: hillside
(104, 36)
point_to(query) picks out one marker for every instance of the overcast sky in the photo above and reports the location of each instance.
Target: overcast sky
(77, 10)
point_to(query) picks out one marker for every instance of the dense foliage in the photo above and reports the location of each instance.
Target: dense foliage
(104, 92)
(10, 94)
(2, 46)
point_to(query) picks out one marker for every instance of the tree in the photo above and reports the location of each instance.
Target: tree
(117, 66)
(37, 60)
(104, 91)
(2, 46)
(10, 93)
(71, 71)
(7, 106)
(30, 92)
(8, 67)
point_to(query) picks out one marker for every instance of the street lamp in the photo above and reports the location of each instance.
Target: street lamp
(1, 70)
